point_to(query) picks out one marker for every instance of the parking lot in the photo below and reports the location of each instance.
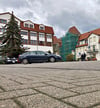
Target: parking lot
(50, 85)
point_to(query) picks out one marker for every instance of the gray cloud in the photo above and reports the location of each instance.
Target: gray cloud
(13, 3)
(59, 14)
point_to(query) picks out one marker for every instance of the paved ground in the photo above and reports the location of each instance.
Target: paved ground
(50, 85)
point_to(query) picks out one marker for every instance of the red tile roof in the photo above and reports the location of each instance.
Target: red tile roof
(56, 40)
(48, 29)
(74, 30)
(86, 35)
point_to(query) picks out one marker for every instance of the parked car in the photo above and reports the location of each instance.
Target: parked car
(9, 60)
(38, 56)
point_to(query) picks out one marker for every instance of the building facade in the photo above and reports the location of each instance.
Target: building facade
(56, 45)
(89, 43)
(35, 36)
(69, 42)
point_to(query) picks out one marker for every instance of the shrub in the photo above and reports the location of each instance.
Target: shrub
(70, 57)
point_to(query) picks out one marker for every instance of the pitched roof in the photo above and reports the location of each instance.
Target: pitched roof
(9, 14)
(48, 29)
(56, 40)
(74, 30)
(86, 35)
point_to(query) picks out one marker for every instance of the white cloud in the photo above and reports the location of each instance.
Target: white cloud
(60, 14)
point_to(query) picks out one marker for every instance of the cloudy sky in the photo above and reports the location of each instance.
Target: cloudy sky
(61, 14)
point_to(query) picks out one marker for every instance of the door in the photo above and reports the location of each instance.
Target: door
(32, 57)
(41, 56)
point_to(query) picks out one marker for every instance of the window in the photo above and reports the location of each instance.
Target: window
(49, 36)
(49, 43)
(2, 29)
(82, 42)
(3, 21)
(33, 42)
(94, 47)
(31, 26)
(25, 54)
(26, 25)
(41, 27)
(90, 40)
(33, 34)
(41, 43)
(24, 33)
(94, 39)
(40, 53)
(32, 53)
(25, 41)
(41, 35)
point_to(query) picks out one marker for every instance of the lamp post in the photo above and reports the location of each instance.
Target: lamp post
(37, 44)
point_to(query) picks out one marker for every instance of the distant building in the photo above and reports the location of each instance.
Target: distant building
(89, 43)
(35, 36)
(69, 42)
(56, 45)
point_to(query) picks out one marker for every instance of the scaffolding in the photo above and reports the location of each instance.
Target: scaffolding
(69, 42)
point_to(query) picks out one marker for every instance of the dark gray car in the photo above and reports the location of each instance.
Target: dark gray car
(38, 56)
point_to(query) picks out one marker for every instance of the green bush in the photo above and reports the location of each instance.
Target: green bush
(70, 57)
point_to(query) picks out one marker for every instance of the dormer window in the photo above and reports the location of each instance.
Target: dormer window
(42, 27)
(26, 25)
(31, 26)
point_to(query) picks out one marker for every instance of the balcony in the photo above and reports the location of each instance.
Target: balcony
(81, 45)
(92, 51)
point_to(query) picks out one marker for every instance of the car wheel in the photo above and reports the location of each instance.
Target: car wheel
(52, 59)
(25, 61)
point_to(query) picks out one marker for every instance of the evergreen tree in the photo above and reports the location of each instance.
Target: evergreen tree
(11, 39)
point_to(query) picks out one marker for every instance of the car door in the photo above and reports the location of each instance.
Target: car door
(32, 57)
(41, 56)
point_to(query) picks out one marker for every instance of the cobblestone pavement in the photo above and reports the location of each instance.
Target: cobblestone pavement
(50, 85)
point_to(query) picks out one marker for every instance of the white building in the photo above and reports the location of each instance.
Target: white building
(89, 43)
(35, 36)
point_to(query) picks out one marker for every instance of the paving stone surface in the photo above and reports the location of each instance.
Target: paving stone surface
(1, 90)
(8, 104)
(13, 94)
(61, 84)
(55, 92)
(42, 101)
(50, 85)
(85, 100)
(23, 86)
(86, 89)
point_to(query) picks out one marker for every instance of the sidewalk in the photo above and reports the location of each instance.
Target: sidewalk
(50, 85)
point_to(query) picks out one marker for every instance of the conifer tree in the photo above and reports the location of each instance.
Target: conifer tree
(11, 39)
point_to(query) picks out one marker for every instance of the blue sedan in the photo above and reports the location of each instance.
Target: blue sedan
(38, 56)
